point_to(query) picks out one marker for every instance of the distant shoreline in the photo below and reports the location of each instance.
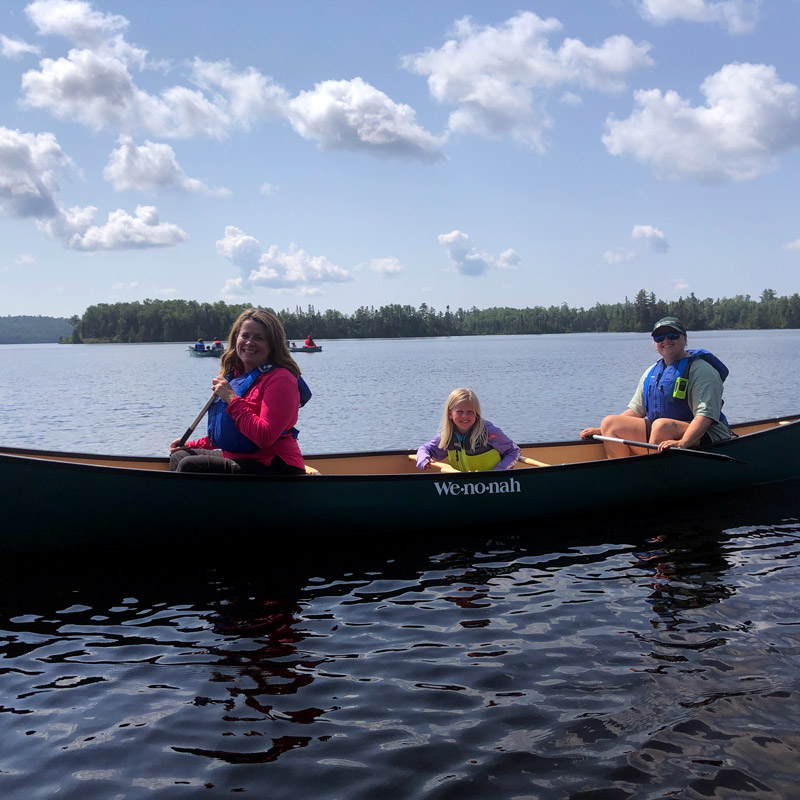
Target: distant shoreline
(187, 321)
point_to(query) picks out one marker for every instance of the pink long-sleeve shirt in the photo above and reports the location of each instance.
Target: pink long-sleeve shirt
(262, 415)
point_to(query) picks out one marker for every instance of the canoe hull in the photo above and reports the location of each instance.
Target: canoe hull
(57, 502)
(304, 349)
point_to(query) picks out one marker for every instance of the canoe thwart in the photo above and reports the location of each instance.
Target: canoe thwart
(440, 465)
(531, 462)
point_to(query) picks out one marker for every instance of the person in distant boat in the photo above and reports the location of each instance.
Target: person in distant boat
(253, 416)
(217, 344)
(200, 345)
(467, 441)
(678, 402)
(309, 342)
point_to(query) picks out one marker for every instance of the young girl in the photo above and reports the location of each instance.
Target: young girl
(468, 441)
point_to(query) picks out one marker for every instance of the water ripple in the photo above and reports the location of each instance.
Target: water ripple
(661, 666)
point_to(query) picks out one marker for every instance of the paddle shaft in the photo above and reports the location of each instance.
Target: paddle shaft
(650, 446)
(182, 441)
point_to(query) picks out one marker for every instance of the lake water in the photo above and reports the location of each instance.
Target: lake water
(639, 657)
(378, 394)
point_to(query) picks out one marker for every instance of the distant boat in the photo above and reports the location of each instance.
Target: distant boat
(317, 348)
(209, 352)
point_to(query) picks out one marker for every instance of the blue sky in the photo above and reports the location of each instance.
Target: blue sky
(364, 153)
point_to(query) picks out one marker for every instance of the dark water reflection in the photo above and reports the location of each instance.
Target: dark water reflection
(607, 660)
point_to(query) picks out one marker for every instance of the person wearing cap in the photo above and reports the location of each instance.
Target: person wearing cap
(678, 402)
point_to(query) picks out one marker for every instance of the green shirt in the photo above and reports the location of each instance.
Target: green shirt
(704, 397)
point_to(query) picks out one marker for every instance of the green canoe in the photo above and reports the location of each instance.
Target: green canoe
(209, 352)
(69, 501)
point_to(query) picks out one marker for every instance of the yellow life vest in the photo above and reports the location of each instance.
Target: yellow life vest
(485, 460)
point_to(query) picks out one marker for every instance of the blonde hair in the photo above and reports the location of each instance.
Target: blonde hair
(276, 342)
(477, 435)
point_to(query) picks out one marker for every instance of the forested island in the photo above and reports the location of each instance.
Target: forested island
(188, 320)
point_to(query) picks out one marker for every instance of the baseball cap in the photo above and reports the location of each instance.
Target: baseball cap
(670, 322)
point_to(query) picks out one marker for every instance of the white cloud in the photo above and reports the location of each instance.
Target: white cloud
(239, 248)
(646, 236)
(750, 117)
(352, 115)
(151, 166)
(680, 284)
(618, 256)
(24, 260)
(295, 269)
(16, 48)
(653, 237)
(795, 245)
(268, 188)
(283, 269)
(29, 166)
(491, 73)
(738, 16)
(93, 83)
(508, 259)
(76, 21)
(388, 267)
(97, 90)
(469, 260)
(122, 231)
(249, 95)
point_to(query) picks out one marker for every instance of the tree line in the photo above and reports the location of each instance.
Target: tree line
(34, 330)
(178, 320)
(188, 320)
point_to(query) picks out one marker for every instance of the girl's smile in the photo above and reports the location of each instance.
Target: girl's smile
(463, 416)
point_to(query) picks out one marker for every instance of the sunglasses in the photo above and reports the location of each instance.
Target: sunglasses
(671, 336)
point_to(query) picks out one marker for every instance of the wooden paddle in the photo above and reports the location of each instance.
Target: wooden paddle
(182, 441)
(686, 450)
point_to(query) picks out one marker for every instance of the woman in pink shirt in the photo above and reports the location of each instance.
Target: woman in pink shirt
(253, 416)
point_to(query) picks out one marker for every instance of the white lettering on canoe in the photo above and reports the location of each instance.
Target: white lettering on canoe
(492, 487)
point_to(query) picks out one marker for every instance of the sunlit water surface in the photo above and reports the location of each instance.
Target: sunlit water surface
(646, 657)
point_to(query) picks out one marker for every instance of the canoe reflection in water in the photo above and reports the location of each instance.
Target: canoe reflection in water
(688, 575)
(251, 676)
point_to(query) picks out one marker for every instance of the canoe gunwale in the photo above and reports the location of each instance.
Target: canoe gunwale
(128, 462)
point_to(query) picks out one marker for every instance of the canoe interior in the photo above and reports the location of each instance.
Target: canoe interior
(383, 463)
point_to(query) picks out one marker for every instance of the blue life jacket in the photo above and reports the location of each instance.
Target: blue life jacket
(666, 387)
(222, 430)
